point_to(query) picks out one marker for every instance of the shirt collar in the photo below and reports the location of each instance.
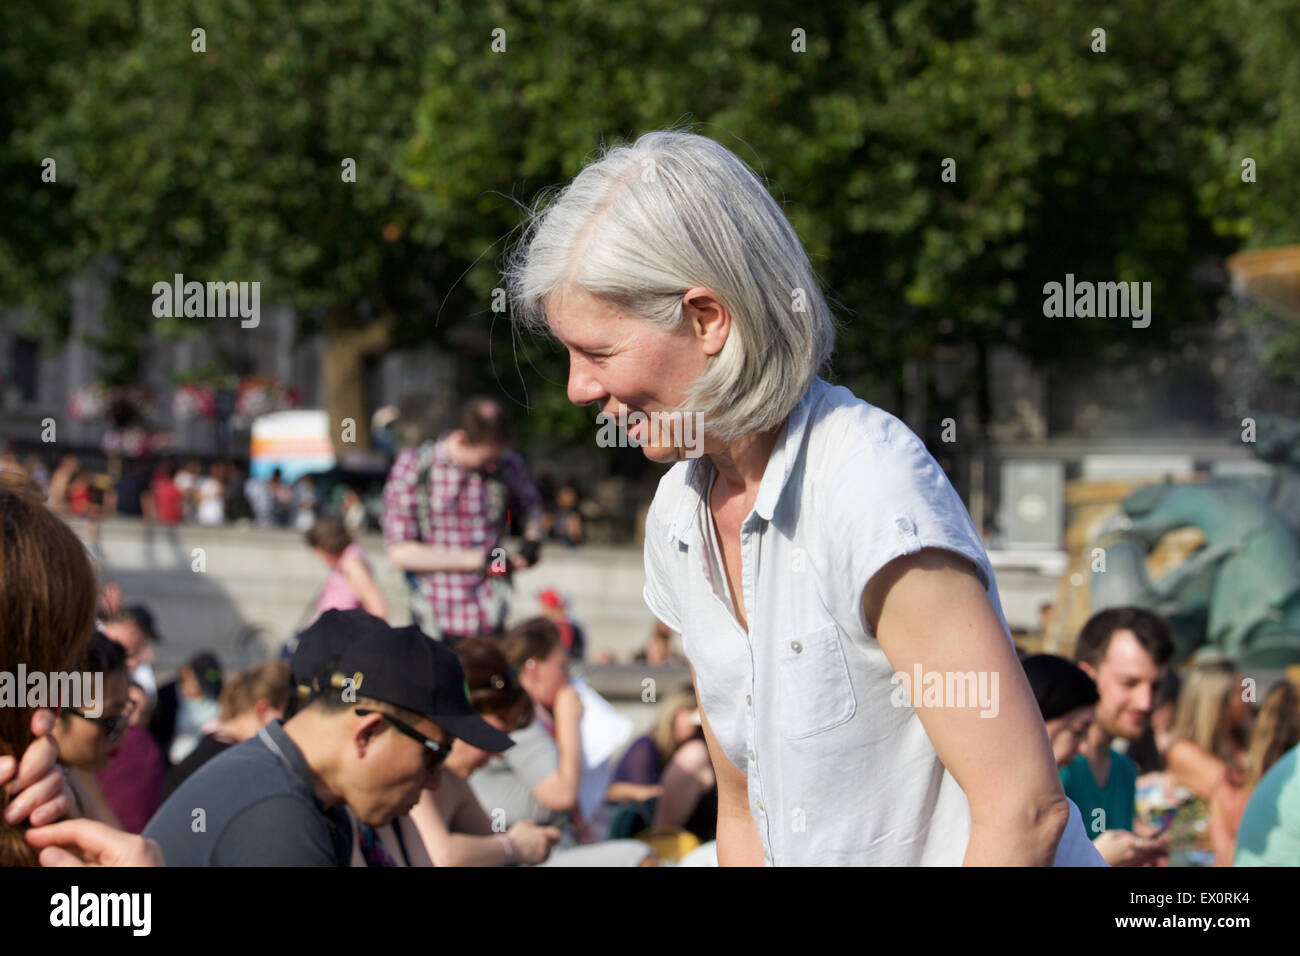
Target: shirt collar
(282, 746)
(779, 466)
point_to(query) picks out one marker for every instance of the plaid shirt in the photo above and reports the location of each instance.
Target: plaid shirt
(467, 510)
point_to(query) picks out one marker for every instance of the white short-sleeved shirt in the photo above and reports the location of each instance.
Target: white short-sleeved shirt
(838, 772)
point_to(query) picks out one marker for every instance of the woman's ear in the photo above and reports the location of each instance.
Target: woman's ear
(710, 321)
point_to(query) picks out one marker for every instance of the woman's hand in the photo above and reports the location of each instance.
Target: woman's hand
(532, 842)
(91, 843)
(39, 795)
(1122, 848)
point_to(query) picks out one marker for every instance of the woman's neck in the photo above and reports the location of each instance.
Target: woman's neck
(741, 463)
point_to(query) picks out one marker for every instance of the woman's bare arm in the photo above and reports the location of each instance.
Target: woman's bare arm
(358, 576)
(434, 818)
(930, 610)
(559, 790)
(1195, 768)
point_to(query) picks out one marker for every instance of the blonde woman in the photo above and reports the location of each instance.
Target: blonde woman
(671, 763)
(1206, 755)
(1210, 729)
(806, 545)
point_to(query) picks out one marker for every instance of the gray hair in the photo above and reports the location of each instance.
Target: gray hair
(644, 223)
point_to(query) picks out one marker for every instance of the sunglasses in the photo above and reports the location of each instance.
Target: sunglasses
(439, 751)
(114, 727)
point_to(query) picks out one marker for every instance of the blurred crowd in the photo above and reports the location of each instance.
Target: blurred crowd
(1187, 767)
(520, 760)
(168, 492)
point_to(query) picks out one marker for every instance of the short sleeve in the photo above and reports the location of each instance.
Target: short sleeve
(887, 499)
(534, 757)
(658, 593)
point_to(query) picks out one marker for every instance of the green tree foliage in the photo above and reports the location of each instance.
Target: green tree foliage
(1066, 159)
(226, 164)
(1114, 165)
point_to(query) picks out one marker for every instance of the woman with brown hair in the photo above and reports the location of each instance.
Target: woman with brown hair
(47, 607)
(351, 582)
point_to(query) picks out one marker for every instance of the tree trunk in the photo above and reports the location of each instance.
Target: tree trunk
(348, 344)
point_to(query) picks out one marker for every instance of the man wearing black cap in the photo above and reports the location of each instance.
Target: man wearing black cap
(373, 740)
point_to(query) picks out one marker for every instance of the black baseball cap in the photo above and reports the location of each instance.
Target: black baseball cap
(143, 618)
(207, 671)
(323, 642)
(405, 667)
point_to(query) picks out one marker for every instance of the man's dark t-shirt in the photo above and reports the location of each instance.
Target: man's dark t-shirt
(208, 747)
(258, 809)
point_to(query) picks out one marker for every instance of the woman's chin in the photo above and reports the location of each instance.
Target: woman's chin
(663, 454)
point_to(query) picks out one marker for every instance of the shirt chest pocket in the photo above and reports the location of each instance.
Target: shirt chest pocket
(816, 692)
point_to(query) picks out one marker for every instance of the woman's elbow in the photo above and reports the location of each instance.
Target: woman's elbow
(1043, 819)
(1048, 821)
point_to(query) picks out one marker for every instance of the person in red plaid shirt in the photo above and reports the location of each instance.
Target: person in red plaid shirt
(445, 513)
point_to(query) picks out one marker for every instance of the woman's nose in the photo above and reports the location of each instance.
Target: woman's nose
(583, 388)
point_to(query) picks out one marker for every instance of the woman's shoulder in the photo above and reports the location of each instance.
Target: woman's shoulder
(843, 428)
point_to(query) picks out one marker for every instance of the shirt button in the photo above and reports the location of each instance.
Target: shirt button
(761, 807)
(903, 524)
(796, 646)
(749, 701)
(751, 755)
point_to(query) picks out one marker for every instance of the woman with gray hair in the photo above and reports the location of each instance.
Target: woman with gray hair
(861, 696)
